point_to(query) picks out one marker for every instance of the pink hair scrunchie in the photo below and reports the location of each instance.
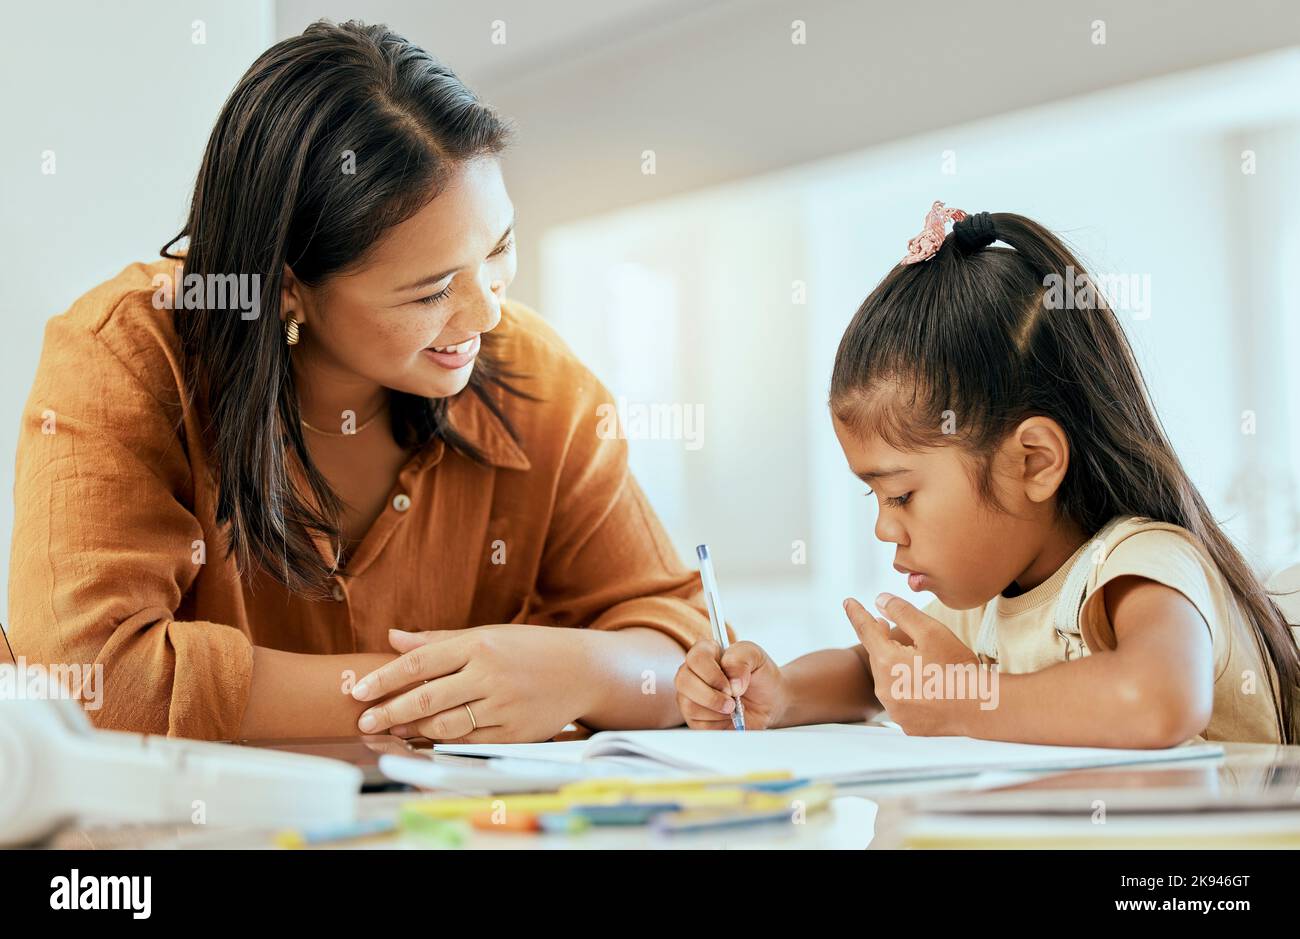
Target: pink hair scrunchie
(924, 245)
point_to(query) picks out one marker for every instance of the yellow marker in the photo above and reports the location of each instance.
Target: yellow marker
(692, 794)
(459, 808)
(762, 807)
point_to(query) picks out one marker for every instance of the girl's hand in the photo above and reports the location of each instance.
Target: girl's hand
(903, 665)
(522, 683)
(709, 678)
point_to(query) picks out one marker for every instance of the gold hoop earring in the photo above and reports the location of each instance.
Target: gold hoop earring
(291, 336)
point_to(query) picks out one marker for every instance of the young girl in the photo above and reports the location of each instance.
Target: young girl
(1024, 479)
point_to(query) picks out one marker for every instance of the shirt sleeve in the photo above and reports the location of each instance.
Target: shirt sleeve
(607, 561)
(105, 548)
(1164, 557)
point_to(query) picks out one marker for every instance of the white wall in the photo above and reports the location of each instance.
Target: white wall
(125, 99)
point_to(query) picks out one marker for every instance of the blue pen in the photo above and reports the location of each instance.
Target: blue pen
(714, 602)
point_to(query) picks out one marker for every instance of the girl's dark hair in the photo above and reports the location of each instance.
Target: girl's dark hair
(964, 346)
(271, 191)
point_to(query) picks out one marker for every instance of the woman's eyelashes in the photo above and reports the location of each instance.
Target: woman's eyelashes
(445, 292)
(438, 297)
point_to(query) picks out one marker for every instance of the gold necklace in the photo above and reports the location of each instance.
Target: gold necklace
(330, 433)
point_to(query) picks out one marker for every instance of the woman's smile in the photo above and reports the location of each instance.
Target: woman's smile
(455, 356)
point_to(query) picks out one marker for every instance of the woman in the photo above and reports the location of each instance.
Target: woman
(327, 447)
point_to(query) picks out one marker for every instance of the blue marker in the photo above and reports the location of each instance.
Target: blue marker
(719, 624)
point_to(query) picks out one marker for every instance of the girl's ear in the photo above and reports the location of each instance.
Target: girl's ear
(1045, 453)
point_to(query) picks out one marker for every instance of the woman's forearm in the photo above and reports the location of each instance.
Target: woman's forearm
(630, 674)
(829, 686)
(300, 695)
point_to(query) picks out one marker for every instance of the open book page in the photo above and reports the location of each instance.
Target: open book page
(860, 753)
(835, 752)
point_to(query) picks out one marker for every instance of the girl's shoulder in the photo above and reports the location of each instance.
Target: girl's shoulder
(1161, 551)
(1137, 546)
(1166, 554)
(1123, 527)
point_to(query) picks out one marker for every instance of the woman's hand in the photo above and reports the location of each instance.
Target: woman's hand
(709, 678)
(522, 683)
(906, 661)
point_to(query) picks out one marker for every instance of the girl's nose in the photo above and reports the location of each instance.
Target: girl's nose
(888, 530)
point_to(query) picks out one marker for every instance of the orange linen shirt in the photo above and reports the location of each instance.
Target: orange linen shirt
(118, 559)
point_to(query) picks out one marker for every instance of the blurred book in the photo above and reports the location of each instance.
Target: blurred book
(1103, 816)
(1219, 830)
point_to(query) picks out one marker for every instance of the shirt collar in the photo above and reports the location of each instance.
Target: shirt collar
(470, 418)
(473, 419)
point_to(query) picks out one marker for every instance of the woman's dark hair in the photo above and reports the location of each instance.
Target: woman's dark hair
(271, 191)
(964, 346)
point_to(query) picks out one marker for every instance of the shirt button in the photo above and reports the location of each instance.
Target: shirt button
(401, 502)
(337, 592)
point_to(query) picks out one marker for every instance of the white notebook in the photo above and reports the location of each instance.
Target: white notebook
(839, 753)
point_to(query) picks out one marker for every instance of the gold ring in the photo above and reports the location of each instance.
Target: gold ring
(471, 718)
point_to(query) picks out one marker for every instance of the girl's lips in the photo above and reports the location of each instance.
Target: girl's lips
(454, 361)
(915, 580)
